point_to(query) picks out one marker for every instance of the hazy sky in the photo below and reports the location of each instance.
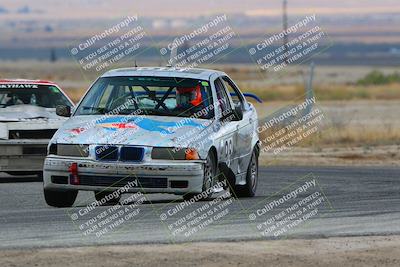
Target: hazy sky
(186, 8)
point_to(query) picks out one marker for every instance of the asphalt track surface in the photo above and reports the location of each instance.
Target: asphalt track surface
(356, 201)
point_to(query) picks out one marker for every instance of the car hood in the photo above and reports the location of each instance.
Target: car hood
(159, 131)
(26, 113)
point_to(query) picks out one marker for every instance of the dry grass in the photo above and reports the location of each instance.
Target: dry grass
(331, 156)
(363, 135)
(345, 123)
(347, 136)
(75, 95)
(351, 92)
(324, 91)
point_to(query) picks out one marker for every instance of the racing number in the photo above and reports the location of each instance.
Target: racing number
(228, 148)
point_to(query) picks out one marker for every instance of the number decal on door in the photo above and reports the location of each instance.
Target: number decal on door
(228, 148)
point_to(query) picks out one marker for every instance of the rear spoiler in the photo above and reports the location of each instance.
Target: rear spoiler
(251, 95)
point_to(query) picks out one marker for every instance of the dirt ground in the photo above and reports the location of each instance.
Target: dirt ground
(341, 251)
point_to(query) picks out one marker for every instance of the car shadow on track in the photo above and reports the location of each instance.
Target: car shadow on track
(5, 178)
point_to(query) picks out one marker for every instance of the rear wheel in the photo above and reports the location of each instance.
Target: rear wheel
(249, 189)
(109, 198)
(210, 171)
(60, 199)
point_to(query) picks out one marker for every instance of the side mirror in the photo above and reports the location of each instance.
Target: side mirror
(63, 111)
(238, 112)
(235, 114)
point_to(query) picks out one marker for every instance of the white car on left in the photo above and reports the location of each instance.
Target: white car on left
(28, 121)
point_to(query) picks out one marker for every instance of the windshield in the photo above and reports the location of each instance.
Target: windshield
(161, 96)
(46, 96)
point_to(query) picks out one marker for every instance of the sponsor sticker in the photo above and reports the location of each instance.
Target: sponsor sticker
(14, 85)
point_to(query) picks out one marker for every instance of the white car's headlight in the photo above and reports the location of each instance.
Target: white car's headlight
(3, 131)
(174, 153)
(69, 150)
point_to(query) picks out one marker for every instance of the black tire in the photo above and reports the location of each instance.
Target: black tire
(249, 189)
(210, 172)
(60, 199)
(101, 195)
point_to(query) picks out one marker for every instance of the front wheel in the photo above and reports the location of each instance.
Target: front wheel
(249, 189)
(60, 199)
(210, 171)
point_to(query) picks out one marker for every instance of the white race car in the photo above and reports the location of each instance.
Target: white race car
(155, 130)
(27, 122)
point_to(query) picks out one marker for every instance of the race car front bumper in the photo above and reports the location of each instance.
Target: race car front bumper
(22, 155)
(157, 176)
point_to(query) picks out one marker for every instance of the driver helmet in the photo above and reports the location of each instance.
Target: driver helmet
(188, 96)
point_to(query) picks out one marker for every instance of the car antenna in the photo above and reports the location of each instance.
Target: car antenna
(173, 55)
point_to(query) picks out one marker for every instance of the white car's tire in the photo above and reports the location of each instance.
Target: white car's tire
(60, 199)
(210, 173)
(249, 189)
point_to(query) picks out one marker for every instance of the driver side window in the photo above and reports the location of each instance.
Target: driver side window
(223, 99)
(235, 94)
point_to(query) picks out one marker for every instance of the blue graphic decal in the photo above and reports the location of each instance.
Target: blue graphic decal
(163, 127)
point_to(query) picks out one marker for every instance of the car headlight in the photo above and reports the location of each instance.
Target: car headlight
(3, 131)
(69, 150)
(174, 153)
